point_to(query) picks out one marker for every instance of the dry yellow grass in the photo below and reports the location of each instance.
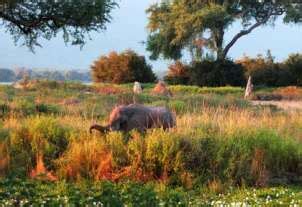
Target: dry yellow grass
(233, 120)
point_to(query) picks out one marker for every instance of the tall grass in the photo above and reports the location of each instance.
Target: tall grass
(219, 140)
(231, 146)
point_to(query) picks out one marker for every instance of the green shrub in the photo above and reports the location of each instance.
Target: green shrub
(208, 73)
(117, 146)
(47, 108)
(255, 158)
(24, 106)
(265, 72)
(4, 109)
(47, 84)
(178, 74)
(38, 135)
(137, 195)
(173, 197)
(294, 65)
(177, 106)
(272, 76)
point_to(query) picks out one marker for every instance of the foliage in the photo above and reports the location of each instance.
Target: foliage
(180, 25)
(265, 72)
(206, 73)
(178, 74)
(219, 73)
(37, 136)
(21, 192)
(195, 90)
(294, 65)
(23, 106)
(28, 21)
(125, 67)
(221, 144)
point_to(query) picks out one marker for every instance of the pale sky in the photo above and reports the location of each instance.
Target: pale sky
(127, 30)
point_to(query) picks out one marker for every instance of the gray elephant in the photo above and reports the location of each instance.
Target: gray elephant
(139, 117)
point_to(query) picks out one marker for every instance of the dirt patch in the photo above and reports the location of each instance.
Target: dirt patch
(290, 93)
(284, 105)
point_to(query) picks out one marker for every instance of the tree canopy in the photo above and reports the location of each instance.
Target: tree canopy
(175, 25)
(124, 67)
(27, 20)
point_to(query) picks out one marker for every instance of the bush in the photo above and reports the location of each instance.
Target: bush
(265, 72)
(24, 106)
(82, 159)
(222, 73)
(4, 109)
(178, 74)
(272, 76)
(294, 65)
(137, 195)
(47, 108)
(39, 135)
(125, 67)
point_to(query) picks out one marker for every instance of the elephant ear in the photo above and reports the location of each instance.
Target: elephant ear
(124, 122)
(126, 115)
(124, 118)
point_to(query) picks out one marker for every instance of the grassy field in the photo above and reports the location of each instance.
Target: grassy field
(224, 150)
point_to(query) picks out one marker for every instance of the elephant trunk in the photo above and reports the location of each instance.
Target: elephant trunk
(102, 129)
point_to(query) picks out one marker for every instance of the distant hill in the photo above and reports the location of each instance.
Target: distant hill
(8, 75)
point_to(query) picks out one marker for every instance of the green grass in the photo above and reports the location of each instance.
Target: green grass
(207, 90)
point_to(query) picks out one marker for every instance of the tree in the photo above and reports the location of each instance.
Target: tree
(178, 73)
(27, 20)
(175, 25)
(125, 67)
(264, 71)
(294, 65)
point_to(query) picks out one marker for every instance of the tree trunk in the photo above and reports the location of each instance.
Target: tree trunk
(218, 38)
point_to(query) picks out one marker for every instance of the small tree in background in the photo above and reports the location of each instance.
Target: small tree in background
(125, 67)
(178, 73)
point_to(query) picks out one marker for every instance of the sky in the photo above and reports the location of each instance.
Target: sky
(127, 30)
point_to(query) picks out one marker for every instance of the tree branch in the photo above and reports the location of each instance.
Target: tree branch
(243, 33)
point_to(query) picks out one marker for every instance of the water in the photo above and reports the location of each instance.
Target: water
(6, 83)
(11, 83)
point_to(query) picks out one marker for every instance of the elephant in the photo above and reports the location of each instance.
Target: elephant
(135, 116)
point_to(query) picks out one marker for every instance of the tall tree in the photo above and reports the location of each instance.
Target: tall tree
(28, 20)
(175, 25)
